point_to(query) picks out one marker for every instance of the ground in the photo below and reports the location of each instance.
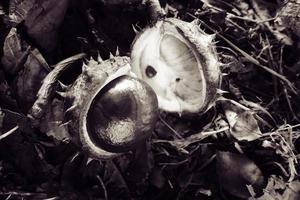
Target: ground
(246, 146)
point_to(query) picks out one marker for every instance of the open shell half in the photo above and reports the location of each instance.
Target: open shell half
(110, 110)
(178, 60)
(107, 110)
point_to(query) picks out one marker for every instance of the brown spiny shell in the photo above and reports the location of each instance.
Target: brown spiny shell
(178, 60)
(109, 111)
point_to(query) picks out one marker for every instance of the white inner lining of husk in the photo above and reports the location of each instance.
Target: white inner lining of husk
(179, 82)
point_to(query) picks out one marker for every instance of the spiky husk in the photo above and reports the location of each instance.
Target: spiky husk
(79, 99)
(95, 75)
(204, 49)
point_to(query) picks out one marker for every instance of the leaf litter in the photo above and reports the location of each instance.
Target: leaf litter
(258, 118)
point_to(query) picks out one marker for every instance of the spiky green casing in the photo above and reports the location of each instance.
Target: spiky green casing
(179, 61)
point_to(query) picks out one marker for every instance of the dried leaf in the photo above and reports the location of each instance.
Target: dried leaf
(18, 55)
(157, 178)
(10, 119)
(30, 79)
(43, 21)
(52, 122)
(292, 192)
(275, 187)
(121, 2)
(289, 15)
(243, 125)
(115, 182)
(1, 10)
(265, 11)
(2, 114)
(47, 89)
(139, 168)
(6, 99)
(18, 10)
(14, 52)
(236, 171)
(25, 157)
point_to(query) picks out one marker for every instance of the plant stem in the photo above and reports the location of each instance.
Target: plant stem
(9, 132)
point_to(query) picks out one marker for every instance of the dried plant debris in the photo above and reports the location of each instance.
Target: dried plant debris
(199, 99)
(43, 21)
(19, 9)
(28, 64)
(289, 14)
(236, 172)
(242, 123)
(14, 52)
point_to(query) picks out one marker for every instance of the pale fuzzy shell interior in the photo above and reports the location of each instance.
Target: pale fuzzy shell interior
(176, 58)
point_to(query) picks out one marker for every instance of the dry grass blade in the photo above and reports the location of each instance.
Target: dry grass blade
(9, 132)
(182, 143)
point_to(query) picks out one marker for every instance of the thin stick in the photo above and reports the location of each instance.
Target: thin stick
(103, 187)
(9, 132)
(181, 143)
(172, 129)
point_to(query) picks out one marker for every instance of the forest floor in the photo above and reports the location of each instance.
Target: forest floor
(187, 157)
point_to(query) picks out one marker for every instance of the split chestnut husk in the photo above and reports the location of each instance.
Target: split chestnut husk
(178, 60)
(107, 110)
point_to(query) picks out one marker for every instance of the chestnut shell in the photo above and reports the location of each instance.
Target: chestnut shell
(122, 114)
(178, 89)
(97, 108)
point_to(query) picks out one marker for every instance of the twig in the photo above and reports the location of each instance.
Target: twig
(9, 132)
(272, 65)
(181, 143)
(262, 16)
(175, 163)
(8, 197)
(284, 87)
(91, 22)
(24, 194)
(103, 187)
(173, 130)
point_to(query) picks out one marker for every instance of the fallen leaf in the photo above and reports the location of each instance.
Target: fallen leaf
(29, 80)
(1, 10)
(18, 10)
(289, 15)
(14, 52)
(115, 182)
(275, 187)
(243, 125)
(139, 168)
(292, 192)
(53, 120)
(265, 11)
(43, 21)
(157, 178)
(6, 96)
